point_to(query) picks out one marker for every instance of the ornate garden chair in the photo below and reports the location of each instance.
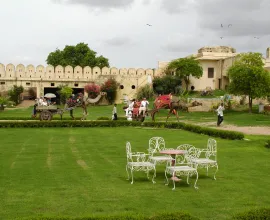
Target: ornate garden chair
(183, 166)
(184, 147)
(208, 156)
(138, 162)
(157, 144)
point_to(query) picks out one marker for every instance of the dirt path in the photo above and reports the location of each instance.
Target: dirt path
(255, 130)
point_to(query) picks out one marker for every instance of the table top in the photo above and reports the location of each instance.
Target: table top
(174, 151)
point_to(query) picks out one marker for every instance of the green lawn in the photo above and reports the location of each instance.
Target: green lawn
(239, 118)
(81, 172)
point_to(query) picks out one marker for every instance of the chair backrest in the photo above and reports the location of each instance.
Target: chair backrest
(211, 148)
(181, 157)
(156, 144)
(192, 154)
(129, 152)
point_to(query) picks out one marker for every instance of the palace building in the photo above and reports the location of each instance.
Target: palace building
(215, 62)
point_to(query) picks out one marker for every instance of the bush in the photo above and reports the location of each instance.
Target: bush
(173, 216)
(267, 144)
(145, 92)
(15, 93)
(110, 87)
(109, 123)
(92, 89)
(65, 92)
(256, 214)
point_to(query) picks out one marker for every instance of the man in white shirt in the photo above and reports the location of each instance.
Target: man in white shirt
(143, 106)
(130, 107)
(220, 114)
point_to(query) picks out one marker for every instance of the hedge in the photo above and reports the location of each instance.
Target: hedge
(163, 216)
(256, 214)
(72, 123)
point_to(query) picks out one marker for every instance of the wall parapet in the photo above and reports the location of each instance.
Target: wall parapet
(20, 71)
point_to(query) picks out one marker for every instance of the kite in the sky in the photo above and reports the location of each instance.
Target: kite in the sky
(149, 25)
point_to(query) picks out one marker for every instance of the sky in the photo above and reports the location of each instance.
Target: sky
(118, 30)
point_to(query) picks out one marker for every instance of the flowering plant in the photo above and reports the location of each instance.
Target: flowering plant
(110, 87)
(92, 89)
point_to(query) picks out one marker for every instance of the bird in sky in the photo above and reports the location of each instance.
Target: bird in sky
(256, 37)
(149, 25)
(221, 38)
(229, 25)
(221, 25)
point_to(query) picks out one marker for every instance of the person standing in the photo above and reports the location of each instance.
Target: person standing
(114, 112)
(143, 106)
(220, 114)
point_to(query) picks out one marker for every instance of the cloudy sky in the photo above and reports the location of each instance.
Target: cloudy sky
(118, 30)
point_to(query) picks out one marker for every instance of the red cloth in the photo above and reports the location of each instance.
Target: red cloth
(163, 100)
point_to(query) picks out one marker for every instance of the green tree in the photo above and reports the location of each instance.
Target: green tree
(14, 94)
(184, 68)
(145, 92)
(79, 55)
(167, 84)
(248, 77)
(65, 92)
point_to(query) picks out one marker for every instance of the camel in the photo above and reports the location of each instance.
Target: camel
(167, 102)
(81, 101)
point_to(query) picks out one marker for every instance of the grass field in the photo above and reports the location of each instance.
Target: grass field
(239, 118)
(81, 172)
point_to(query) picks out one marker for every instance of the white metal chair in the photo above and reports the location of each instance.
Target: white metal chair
(209, 158)
(183, 166)
(184, 147)
(138, 162)
(156, 144)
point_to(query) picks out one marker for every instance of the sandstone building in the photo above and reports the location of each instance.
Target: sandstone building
(214, 60)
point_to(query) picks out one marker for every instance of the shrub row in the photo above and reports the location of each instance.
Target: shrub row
(109, 123)
(35, 119)
(163, 216)
(256, 214)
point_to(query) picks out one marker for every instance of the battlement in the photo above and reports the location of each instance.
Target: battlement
(11, 71)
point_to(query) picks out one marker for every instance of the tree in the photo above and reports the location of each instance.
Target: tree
(14, 94)
(184, 68)
(167, 84)
(65, 92)
(145, 92)
(79, 55)
(248, 77)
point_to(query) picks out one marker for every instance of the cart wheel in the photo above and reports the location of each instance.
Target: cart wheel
(45, 116)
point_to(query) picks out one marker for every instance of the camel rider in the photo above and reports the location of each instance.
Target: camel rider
(143, 106)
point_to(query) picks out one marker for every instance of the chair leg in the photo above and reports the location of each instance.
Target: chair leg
(131, 170)
(166, 179)
(195, 184)
(154, 175)
(147, 173)
(207, 170)
(188, 179)
(215, 173)
(127, 172)
(173, 182)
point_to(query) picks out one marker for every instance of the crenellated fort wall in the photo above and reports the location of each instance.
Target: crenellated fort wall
(43, 78)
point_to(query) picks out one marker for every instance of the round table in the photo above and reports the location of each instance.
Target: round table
(173, 153)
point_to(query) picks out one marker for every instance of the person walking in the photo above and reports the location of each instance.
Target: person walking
(114, 112)
(220, 114)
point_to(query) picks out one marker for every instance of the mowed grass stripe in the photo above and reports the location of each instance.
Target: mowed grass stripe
(69, 190)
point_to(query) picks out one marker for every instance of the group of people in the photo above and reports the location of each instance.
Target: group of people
(143, 105)
(43, 101)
